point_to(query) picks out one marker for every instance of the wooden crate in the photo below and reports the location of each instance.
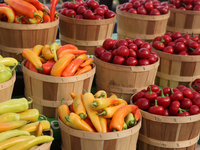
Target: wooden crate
(146, 27)
(73, 139)
(184, 21)
(6, 88)
(85, 34)
(176, 70)
(48, 91)
(123, 80)
(16, 37)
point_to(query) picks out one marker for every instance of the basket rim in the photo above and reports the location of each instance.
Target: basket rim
(184, 11)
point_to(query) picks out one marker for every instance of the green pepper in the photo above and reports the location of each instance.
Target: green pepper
(124, 126)
(15, 105)
(6, 74)
(130, 120)
(2, 67)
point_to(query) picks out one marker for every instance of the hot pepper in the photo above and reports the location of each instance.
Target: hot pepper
(176, 95)
(46, 52)
(113, 96)
(163, 100)
(102, 103)
(130, 120)
(37, 49)
(29, 115)
(8, 61)
(6, 75)
(75, 121)
(174, 107)
(46, 18)
(39, 129)
(87, 100)
(87, 62)
(9, 117)
(46, 67)
(12, 133)
(100, 94)
(32, 57)
(8, 12)
(83, 70)
(53, 8)
(158, 110)
(117, 121)
(78, 106)
(194, 37)
(15, 105)
(12, 125)
(73, 95)
(63, 110)
(125, 126)
(69, 51)
(151, 96)
(54, 48)
(32, 67)
(31, 142)
(103, 122)
(158, 45)
(108, 112)
(65, 47)
(18, 19)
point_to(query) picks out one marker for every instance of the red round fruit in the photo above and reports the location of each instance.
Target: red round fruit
(122, 42)
(138, 41)
(107, 44)
(141, 11)
(131, 61)
(106, 56)
(118, 60)
(143, 103)
(146, 45)
(143, 62)
(122, 51)
(143, 53)
(99, 51)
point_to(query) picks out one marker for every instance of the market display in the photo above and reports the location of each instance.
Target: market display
(27, 12)
(89, 9)
(99, 113)
(195, 85)
(20, 127)
(185, 4)
(143, 7)
(55, 60)
(177, 43)
(126, 52)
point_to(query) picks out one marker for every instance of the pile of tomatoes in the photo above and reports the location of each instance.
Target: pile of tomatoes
(196, 85)
(89, 9)
(185, 4)
(179, 101)
(177, 43)
(126, 52)
(145, 7)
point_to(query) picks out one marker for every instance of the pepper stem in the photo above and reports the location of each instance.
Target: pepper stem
(43, 116)
(94, 104)
(172, 92)
(31, 100)
(162, 94)
(156, 104)
(67, 118)
(41, 69)
(62, 101)
(84, 90)
(46, 10)
(83, 116)
(35, 14)
(104, 113)
(103, 95)
(150, 91)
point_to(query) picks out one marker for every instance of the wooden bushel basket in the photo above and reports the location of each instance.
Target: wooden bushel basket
(184, 21)
(48, 91)
(146, 27)
(190, 86)
(176, 70)
(123, 80)
(6, 88)
(85, 34)
(15, 37)
(168, 133)
(73, 139)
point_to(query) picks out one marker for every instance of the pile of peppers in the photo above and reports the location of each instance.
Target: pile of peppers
(27, 11)
(55, 60)
(99, 113)
(6, 72)
(19, 125)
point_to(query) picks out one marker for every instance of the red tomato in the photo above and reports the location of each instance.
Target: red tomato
(133, 46)
(122, 42)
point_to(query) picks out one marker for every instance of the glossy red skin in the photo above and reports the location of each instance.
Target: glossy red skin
(151, 96)
(129, 40)
(143, 53)
(88, 14)
(176, 96)
(181, 39)
(158, 110)
(104, 7)
(185, 113)
(122, 51)
(132, 1)
(166, 112)
(81, 9)
(138, 42)
(187, 93)
(106, 56)
(148, 6)
(196, 8)
(99, 11)
(133, 46)
(196, 101)
(174, 107)
(141, 11)
(183, 53)
(118, 60)
(195, 94)
(143, 62)
(127, 6)
(146, 45)
(179, 47)
(172, 6)
(107, 44)
(122, 42)
(163, 9)
(196, 51)
(132, 10)
(187, 1)
(70, 13)
(189, 7)
(99, 51)
(132, 53)
(152, 59)
(93, 4)
(196, 2)
(143, 103)
(186, 103)
(63, 11)
(180, 87)
(81, 2)
(182, 8)
(131, 61)
(79, 17)
(176, 35)
(193, 45)
(154, 88)
(186, 36)
(73, 6)
(174, 90)
(177, 3)
(65, 4)
(138, 96)
(168, 49)
(169, 33)
(167, 39)
(194, 109)
(163, 101)
(136, 4)
(98, 17)
(155, 12)
(109, 14)
(114, 52)
(158, 45)
(155, 54)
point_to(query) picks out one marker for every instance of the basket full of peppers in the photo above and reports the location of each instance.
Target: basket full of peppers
(172, 110)
(99, 119)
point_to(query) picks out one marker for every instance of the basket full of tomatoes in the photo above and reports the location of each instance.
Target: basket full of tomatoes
(85, 24)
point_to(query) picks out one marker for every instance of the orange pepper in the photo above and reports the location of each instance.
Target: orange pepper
(27, 64)
(100, 94)
(117, 121)
(87, 62)
(69, 51)
(72, 108)
(78, 106)
(113, 96)
(37, 49)
(73, 95)
(65, 47)
(39, 129)
(12, 125)
(83, 70)
(103, 122)
(89, 122)
(87, 100)
(63, 111)
(46, 52)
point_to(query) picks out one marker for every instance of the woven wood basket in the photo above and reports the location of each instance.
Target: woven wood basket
(16, 37)
(85, 34)
(176, 70)
(48, 91)
(123, 80)
(190, 86)
(168, 133)
(184, 21)
(6, 88)
(146, 27)
(73, 139)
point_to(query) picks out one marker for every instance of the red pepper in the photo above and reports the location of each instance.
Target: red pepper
(73, 5)
(176, 96)
(187, 93)
(194, 37)
(70, 13)
(158, 45)
(18, 19)
(151, 96)
(46, 18)
(53, 9)
(194, 109)
(195, 51)
(163, 100)
(154, 88)
(166, 90)
(166, 112)
(158, 110)
(183, 113)
(138, 96)
(46, 67)
(186, 103)
(166, 39)
(174, 107)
